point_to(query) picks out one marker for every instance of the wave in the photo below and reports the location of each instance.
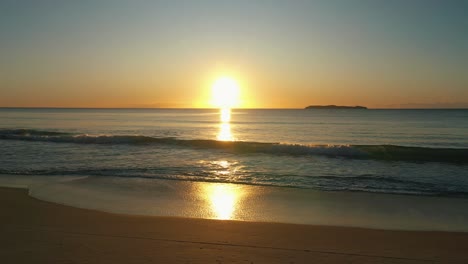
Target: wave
(30, 132)
(377, 152)
(356, 183)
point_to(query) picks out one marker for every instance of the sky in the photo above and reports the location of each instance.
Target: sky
(283, 54)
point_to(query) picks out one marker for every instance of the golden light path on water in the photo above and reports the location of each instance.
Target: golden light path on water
(224, 133)
(224, 198)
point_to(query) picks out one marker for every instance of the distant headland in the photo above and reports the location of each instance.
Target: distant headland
(334, 107)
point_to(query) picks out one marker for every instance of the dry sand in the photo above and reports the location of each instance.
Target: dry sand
(34, 231)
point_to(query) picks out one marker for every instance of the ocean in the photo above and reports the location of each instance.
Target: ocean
(397, 169)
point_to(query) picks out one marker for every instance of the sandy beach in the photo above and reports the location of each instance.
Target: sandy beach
(233, 132)
(34, 231)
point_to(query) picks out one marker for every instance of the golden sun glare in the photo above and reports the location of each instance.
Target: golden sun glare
(225, 93)
(224, 199)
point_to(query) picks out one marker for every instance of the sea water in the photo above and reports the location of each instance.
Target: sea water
(403, 169)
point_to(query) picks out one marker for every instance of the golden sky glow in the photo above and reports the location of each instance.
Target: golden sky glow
(281, 54)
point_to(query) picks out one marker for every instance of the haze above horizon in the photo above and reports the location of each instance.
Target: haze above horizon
(169, 54)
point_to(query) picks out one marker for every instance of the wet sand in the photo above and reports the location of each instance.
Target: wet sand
(34, 231)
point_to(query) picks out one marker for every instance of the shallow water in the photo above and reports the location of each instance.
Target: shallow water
(95, 157)
(422, 152)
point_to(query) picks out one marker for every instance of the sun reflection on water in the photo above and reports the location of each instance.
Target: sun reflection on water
(225, 115)
(224, 133)
(223, 199)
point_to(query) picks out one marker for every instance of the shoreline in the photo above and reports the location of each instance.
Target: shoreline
(35, 231)
(227, 201)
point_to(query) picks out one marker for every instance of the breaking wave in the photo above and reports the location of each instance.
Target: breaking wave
(378, 152)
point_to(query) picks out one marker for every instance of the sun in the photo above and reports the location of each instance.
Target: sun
(225, 93)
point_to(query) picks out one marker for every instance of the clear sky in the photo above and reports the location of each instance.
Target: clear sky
(283, 54)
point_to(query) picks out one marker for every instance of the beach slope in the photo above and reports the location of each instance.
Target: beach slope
(34, 231)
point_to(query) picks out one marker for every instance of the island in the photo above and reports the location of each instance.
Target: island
(334, 107)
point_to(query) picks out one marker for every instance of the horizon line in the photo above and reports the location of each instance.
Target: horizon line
(213, 108)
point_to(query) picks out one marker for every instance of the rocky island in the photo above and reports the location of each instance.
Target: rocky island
(334, 107)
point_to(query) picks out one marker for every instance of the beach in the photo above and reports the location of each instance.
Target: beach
(35, 231)
(233, 132)
(178, 186)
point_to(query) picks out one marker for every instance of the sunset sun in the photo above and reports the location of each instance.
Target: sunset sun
(234, 131)
(225, 93)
